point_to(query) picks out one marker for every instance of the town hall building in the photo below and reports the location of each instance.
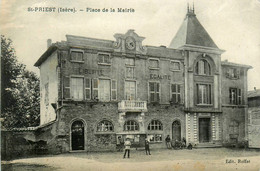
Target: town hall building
(94, 91)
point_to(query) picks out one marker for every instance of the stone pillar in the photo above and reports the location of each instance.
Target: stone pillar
(217, 126)
(188, 138)
(213, 127)
(195, 127)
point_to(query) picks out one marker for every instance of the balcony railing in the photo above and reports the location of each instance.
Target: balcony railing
(132, 106)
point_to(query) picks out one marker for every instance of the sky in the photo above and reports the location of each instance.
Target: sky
(234, 25)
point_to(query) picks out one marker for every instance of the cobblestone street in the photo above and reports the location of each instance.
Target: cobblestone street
(161, 159)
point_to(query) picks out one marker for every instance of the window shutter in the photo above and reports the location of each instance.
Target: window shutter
(239, 96)
(158, 92)
(88, 88)
(95, 83)
(228, 73)
(66, 87)
(113, 90)
(230, 96)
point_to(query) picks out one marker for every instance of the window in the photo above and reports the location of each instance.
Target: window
(202, 67)
(176, 93)
(104, 59)
(76, 55)
(77, 88)
(105, 126)
(235, 96)
(154, 90)
(130, 90)
(175, 66)
(234, 127)
(129, 61)
(104, 90)
(233, 73)
(113, 90)
(155, 137)
(129, 72)
(155, 125)
(131, 126)
(153, 64)
(96, 89)
(203, 94)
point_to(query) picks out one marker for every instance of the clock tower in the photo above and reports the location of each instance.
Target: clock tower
(129, 43)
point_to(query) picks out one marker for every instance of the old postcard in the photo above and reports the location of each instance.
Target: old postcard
(130, 85)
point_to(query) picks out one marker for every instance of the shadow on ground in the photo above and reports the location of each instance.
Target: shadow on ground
(26, 167)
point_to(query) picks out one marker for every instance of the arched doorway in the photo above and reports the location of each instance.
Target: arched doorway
(77, 135)
(176, 131)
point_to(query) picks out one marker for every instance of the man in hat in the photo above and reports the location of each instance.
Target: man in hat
(127, 147)
(146, 145)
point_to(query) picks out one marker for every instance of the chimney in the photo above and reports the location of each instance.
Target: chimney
(48, 43)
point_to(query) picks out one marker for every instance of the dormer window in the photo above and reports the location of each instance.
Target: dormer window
(202, 67)
(154, 64)
(233, 73)
(104, 59)
(76, 55)
(175, 66)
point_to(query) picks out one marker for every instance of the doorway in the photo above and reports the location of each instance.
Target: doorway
(176, 131)
(77, 135)
(204, 130)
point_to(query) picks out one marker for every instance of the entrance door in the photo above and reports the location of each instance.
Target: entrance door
(77, 135)
(204, 130)
(176, 131)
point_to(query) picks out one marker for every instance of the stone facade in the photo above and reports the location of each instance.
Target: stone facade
(254, 118)
(107, 89)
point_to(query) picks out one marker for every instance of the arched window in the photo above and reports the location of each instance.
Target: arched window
(155, 125)
(131, 126)
(105, 126)
(203, 67)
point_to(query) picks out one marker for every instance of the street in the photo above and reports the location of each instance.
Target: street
(161, 159)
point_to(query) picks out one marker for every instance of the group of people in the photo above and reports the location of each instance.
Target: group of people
(176, 143)
(127, 145)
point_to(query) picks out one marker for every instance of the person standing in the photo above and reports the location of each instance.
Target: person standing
(168, 141)
(147, 148)
(127, 147)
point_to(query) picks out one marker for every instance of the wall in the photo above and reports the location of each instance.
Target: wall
(254, 127)
(91, 115)
(233, 114)
(14, 144)
(48, 72)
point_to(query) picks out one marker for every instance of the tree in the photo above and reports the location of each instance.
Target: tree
(20, 90)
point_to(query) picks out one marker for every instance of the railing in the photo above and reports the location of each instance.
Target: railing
(132, 105)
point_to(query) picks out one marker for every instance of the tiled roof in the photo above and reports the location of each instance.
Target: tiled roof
(253, 93)
(192, 32)
(235, 64)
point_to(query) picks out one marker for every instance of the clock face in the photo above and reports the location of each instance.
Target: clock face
(130, 43)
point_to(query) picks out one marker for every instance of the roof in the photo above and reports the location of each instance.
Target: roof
(253, 93)
(235, 64)
(192, 32)
(45, 55)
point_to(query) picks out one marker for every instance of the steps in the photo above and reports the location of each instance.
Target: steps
(208, 145)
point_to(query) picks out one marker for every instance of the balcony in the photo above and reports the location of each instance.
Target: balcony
(132, 106)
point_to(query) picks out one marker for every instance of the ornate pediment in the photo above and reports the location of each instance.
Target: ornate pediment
(129, 42)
